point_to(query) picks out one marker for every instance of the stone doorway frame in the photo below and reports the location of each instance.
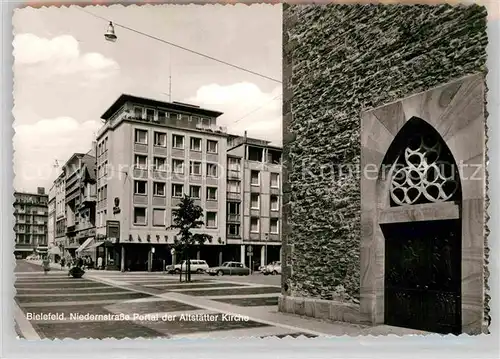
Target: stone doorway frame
(456, 111)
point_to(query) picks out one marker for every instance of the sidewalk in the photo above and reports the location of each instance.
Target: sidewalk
(269, 315)
(57, 266)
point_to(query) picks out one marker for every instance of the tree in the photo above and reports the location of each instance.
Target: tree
(186, 218)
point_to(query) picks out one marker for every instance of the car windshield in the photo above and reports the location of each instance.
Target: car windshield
(226, 264)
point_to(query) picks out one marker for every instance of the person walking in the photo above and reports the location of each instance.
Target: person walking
(99, 263)
(46, 265)
(62, 262)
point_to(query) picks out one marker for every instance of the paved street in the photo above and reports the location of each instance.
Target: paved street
(132, 305)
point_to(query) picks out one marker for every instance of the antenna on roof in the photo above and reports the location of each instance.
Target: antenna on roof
(169, 93)
(170, 78)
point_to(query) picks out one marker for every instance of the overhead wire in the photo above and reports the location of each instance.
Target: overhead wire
(257, 109)
(182, 47)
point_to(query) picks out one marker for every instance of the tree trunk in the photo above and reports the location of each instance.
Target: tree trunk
(180, 275)
(188, 268)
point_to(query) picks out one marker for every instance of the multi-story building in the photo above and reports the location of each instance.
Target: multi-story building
(51, 220)
(60, 211)
(253, 200)
(79, 200)
(30, 210)
(149, 154)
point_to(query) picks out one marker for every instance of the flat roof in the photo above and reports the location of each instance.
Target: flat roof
(175, 106)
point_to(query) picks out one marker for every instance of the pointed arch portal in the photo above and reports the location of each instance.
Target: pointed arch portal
(422, 213)
(422, 283)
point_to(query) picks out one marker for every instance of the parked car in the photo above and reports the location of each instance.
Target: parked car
(33, 257)
(273, 268)
(196, 265)
(229, 268)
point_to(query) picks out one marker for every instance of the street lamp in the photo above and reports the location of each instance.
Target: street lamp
(110, 33)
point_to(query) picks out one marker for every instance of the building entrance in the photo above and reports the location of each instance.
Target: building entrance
(423, 276)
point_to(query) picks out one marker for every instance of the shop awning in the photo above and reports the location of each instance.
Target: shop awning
(94, 245)
(85, 244)
(55, 250)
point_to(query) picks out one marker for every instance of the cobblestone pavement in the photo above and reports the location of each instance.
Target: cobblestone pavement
(106, 304)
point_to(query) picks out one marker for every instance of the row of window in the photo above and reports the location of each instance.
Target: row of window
(102, 193)
(255, 179)
(31, 199)
(151, 114)
(255, 202)
(160, 140)
(35, 230)
(195, 168)
(141, 188)
(160, 164)
(101, 218)
(234, 229)
(102, 170)
(102, 146)
(31, 239)
(159, 218)
(36, 216)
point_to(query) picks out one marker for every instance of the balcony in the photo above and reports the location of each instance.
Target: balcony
(233, 175)
(233, 217)
(234, 196)
(88, 200)
(211, 128)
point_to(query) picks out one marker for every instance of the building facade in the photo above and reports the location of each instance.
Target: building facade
(361, 244)
(60, 212)
(149, 154)
(79, 201)
(253, 201)
(51, 221)
(31, 214)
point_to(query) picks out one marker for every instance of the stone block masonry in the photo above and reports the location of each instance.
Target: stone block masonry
(337, 61)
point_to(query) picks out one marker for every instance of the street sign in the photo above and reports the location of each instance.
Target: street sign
(250, 250)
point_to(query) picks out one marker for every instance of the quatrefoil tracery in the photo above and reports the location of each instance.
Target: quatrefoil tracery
(421, 173)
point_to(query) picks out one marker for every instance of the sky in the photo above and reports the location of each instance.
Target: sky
(66, 75)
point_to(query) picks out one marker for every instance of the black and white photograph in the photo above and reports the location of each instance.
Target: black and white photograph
(250, 171)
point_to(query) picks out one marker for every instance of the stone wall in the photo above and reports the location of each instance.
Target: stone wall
(337, 61)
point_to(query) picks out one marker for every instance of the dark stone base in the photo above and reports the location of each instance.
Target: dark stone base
(322, 309)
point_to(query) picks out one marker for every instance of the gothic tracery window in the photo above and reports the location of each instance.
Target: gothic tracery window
(424, 170)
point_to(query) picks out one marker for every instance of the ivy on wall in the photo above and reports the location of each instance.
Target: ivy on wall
(342, 59)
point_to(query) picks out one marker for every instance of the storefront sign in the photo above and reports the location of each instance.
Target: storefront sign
(113, 231)
(86, 233)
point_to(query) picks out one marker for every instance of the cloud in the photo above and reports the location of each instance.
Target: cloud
(246, 108)
(39, 145)
(60, 55)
